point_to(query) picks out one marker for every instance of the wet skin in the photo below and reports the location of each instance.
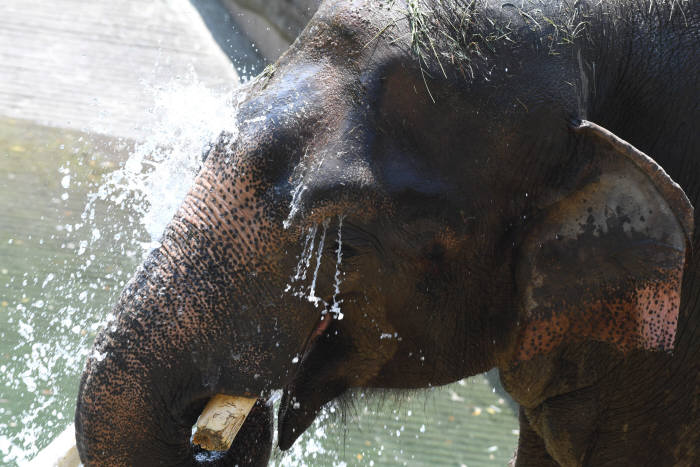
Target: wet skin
(481, 222)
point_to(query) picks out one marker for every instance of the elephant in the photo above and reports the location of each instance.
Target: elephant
(419, 191)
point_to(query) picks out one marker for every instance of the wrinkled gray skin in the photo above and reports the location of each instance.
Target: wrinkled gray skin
(484, 223)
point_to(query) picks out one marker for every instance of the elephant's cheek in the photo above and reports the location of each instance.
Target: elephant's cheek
(347, 353)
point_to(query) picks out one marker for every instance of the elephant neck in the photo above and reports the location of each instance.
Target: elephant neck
(625, 62)
(590, 394)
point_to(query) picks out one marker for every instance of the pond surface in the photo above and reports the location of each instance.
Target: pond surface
(65, 253)
(51, 288)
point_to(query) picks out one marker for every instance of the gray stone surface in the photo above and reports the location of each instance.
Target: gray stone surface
(272, 24)
(288, 16)
(91, 65)
(229, 32)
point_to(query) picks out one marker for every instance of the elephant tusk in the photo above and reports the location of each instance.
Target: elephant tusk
(221, 420)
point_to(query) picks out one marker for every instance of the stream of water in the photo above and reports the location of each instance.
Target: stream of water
(78, 213)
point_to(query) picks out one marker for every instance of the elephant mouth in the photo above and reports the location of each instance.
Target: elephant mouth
(251, 446)
(259, 421)
(321, 328)
(310, 388)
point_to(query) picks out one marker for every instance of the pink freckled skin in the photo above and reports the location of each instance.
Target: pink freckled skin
(647, 320)
(543, 336)
(322, 325)
(658, 306)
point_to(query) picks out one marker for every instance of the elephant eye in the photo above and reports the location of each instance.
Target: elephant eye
(356, 241)
(359, 240)
(348, 251)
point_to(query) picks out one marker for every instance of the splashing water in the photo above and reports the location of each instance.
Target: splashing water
(297, 193)
(306, 256)
(335, 306)
(312, 297)
(297, 282)
(52, 310)
(304, 169)
(160, 171)
(297, 285)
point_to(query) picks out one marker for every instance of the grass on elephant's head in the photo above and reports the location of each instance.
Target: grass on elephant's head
(467, 35)
(462, 33)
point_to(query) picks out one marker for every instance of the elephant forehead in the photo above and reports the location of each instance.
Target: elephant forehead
(359, 19)
(355, 34)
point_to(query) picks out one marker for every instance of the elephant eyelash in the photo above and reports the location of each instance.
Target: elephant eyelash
(356, 242)
(347, 251)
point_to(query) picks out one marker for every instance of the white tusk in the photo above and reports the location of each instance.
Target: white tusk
(221, 420)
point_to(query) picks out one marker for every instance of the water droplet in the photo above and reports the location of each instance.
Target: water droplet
(319, 254)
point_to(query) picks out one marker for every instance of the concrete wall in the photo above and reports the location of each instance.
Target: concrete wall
(272, 24)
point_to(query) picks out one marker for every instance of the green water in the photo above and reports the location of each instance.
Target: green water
(59, 272)
(53, 289)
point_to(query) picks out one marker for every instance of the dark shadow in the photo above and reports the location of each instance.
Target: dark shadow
(230, 38)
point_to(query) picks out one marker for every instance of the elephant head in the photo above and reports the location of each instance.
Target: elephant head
(415, 195)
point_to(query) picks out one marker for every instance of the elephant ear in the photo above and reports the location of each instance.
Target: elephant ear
(605, 259)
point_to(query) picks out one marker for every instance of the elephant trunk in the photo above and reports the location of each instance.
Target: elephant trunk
(140, 396)
(120, 415)
(192, 323)
(206, 313)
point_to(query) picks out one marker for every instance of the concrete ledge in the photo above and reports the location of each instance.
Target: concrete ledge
(62, 452)
(91, 65)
